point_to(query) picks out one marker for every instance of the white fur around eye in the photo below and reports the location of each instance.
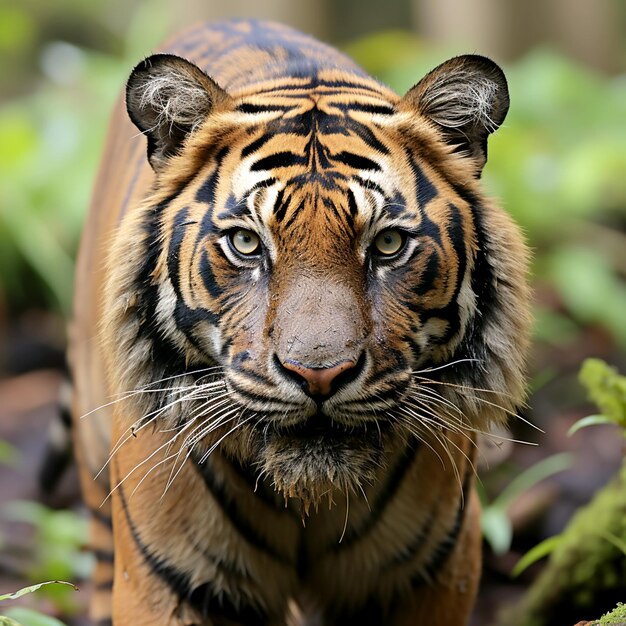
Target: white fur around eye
(388, 242)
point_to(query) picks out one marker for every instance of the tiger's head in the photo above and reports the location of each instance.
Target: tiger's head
(316, 276)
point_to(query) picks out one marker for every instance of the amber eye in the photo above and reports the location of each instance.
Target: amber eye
(388, 242)
(245, 242)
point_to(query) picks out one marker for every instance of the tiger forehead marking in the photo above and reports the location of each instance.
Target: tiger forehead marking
(308, 300)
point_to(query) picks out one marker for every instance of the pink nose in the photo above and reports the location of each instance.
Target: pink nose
(318, 381)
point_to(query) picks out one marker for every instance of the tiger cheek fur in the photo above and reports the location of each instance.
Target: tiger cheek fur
(307, 300)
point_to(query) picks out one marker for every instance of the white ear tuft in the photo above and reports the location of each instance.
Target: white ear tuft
(167, 98)
(467, 97)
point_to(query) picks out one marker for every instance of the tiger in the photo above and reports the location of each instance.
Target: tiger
(296, 310)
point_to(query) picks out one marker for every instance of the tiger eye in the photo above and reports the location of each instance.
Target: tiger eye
(388, 242)
(246, 242)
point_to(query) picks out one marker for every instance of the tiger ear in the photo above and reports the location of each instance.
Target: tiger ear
(167, 98)
(467, 98)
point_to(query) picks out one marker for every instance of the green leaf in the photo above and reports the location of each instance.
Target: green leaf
(590, 420)
(530, 477)
(540, 551)
(33, 588)
(619, 543)
(7, 621)
(28, 617)
(497, 529)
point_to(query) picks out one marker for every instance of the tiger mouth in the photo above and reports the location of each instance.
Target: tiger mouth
(323, 427)
(318, 457)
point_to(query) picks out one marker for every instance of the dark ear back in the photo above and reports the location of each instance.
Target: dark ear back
(467, 97)
(168, 97)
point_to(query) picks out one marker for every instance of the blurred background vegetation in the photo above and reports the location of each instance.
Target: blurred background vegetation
(558, 164)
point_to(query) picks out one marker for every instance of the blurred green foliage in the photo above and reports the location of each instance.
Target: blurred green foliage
(23, 616)
(557, 164)
(496, 524)
(63, 64)
(55, 550)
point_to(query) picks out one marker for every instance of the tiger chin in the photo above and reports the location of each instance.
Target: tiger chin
(297, 306)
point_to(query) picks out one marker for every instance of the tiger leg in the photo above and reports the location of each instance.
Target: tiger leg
(450, 599)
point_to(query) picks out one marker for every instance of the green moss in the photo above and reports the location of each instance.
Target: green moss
(606, 388)
(617, 617)
(583, 565)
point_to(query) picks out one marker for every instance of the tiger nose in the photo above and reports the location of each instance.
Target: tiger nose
(321, 382)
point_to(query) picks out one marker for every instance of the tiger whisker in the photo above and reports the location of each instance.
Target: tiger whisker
(129, 394)
(484, 400)
(414, 430)
(178, 465)
(430, 381)
(345, 522)
(197, 434)
(445, 365)
(206, 455)
(445, 443)
(438, 421)
(142, 423)
(167, 445)
(434, 397)
(138, 465)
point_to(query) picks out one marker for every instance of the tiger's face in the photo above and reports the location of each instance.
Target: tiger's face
(331, 257)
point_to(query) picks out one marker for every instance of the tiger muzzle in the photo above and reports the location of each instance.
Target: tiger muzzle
(319, 332)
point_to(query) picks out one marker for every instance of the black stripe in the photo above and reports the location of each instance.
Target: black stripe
(352, 205)
(367, 135)
(256, 144)
(385, 494)
(425, 191)
(205, 598)
(370, 185)
(312, 83)
(250, 395)
(278, 159)
(173, 253)
(445, 547)
(266, 182)
(105, 621)
(396, 206)
(163, 351)
(104, 556)
(208, 277)
(102, 517)
(429, 274)
(246, 107)
(227, 502)
(281, 204)
(234, 208)
(105, 585)
(66, 416)
(409, 552)
(252, 375)
(375, 109)
(356, 161)
(206, 191)
(450, 313)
